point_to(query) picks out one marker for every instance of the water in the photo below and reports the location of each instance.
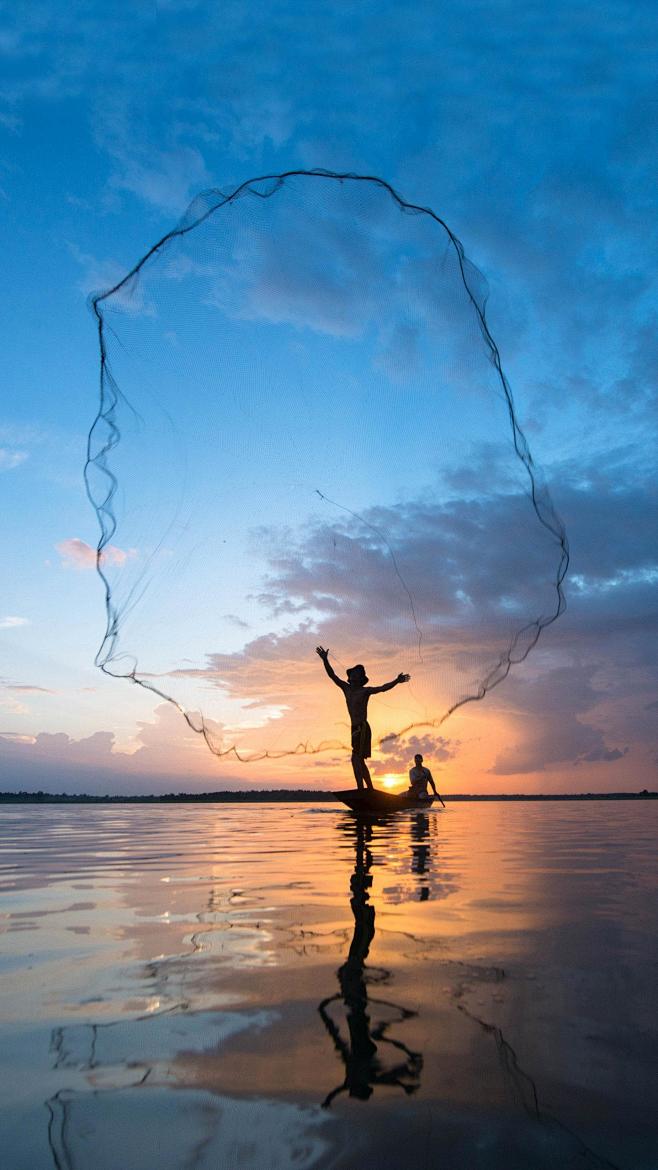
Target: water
(265, 987)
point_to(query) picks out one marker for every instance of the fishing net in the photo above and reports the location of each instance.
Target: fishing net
(305, 436)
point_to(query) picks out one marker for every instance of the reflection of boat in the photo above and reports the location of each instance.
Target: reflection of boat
(372, 801)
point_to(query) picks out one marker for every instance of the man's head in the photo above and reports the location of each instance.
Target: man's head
(356, 676)
(418, 759)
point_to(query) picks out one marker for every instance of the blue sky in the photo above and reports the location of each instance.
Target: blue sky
(532, 135)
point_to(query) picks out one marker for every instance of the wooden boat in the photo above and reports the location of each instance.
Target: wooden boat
(371, 801)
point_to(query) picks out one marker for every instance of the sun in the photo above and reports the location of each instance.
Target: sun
(390, 781)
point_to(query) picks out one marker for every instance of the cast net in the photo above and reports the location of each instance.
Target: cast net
(305, 436)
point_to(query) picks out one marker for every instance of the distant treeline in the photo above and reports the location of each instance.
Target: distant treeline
(273, 795)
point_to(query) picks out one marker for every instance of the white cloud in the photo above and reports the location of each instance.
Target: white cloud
(100, 275)
(167, 179)
(10, 459)
(12, 623)
(14, 706)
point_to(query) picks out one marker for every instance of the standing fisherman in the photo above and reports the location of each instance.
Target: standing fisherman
(356, 696)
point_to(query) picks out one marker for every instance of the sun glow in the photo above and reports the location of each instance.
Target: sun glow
(390, 781)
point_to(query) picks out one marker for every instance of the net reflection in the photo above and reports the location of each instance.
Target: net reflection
(371, 1056)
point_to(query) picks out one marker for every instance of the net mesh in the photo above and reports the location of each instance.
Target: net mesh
(305, 436)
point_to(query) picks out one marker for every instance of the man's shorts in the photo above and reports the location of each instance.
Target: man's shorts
(361, 740)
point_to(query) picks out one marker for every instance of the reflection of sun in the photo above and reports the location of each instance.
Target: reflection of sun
(390, 781)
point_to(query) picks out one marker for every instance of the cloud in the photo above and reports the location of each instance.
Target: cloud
(564, 227)
(10, 459)
(166, 756)
(10, 122)
(236, 621)
(12, 622)
(472, 585)
(605, 755)
(312, 269)
(473, 562)
(398, 757)
(77, 554)
(27, 433)
(343, 259)
(167, 178)
(552, 723)
(13, 705)
(100, 275)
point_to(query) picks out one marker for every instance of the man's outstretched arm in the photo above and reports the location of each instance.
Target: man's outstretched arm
(402, 678)
(324, 655)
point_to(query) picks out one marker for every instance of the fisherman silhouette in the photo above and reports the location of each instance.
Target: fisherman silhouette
(419, 778)
(356, 696)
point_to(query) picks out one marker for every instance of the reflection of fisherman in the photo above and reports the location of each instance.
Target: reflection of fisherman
(364, 1065)
(420, 853)
(356, 696)
(419, 778)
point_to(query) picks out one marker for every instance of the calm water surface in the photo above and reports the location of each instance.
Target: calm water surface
(192, 987)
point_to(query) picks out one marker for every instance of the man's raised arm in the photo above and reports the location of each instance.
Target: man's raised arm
(324, 655)
(402, 678)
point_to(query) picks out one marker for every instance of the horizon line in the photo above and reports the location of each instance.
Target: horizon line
(303, 795)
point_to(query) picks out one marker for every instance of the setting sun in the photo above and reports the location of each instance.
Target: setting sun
(390, 781)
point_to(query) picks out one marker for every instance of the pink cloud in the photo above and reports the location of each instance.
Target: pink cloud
(77, 554)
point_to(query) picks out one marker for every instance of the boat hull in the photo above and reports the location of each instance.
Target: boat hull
(373, 801)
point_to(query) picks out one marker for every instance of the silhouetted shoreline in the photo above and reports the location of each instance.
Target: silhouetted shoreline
(300, 795)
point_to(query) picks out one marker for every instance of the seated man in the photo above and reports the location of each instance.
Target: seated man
(419, 778)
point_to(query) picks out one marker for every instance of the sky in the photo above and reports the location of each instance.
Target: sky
(533, 135)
